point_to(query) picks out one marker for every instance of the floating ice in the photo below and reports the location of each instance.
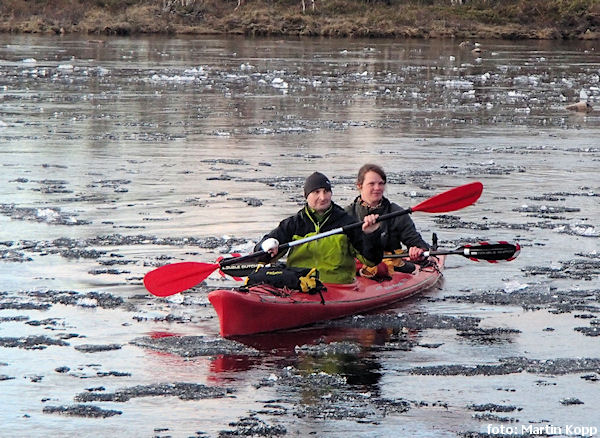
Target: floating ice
(194, 70)
(222, 133)
(176, 298)
(515, 94)
(578, 230)
(584, 230)
(531, 79)
(46, 213)
(514, 285)
(174, 78)
(456, 83)
(265, 131)
(279, 83)
(87, 302)
(567, 82)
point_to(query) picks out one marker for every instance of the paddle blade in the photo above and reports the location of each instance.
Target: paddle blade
(177, 277)
(492, 252)
(451, 200)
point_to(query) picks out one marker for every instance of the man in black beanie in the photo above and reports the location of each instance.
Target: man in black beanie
(334, 255)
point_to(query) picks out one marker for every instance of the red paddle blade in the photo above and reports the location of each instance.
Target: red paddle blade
(177, 277)
(451, 200)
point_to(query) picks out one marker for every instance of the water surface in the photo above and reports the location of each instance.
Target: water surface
(122, 156)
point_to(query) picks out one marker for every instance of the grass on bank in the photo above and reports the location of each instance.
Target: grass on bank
(345, 18)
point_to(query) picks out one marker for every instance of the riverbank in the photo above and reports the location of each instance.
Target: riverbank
(484, 19)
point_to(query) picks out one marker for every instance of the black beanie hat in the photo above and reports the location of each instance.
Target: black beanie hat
(316, 181)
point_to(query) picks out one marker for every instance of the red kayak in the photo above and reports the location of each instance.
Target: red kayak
(265, 308)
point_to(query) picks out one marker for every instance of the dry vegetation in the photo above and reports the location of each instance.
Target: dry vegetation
(508, 19)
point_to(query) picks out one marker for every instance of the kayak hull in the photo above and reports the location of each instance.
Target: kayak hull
(264, 309)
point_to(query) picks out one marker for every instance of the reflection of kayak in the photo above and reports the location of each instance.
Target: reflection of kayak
(264, 308)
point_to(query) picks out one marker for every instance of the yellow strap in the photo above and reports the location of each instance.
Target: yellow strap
(371, 271)
(309, 281)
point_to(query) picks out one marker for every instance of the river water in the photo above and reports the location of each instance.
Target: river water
(120, 155)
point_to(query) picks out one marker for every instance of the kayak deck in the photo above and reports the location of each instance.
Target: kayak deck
(265, 308)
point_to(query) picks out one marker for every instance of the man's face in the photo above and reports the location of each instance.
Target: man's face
(319, 200)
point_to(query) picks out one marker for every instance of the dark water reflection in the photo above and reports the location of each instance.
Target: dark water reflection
(122, 156)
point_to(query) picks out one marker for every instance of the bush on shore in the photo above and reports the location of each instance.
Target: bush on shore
(507, 19)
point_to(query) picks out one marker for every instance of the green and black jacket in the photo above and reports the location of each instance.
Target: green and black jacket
(334, 255)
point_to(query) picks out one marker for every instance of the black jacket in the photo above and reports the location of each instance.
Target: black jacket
(395, 231)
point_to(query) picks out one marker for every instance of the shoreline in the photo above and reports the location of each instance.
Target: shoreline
(332, 19)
